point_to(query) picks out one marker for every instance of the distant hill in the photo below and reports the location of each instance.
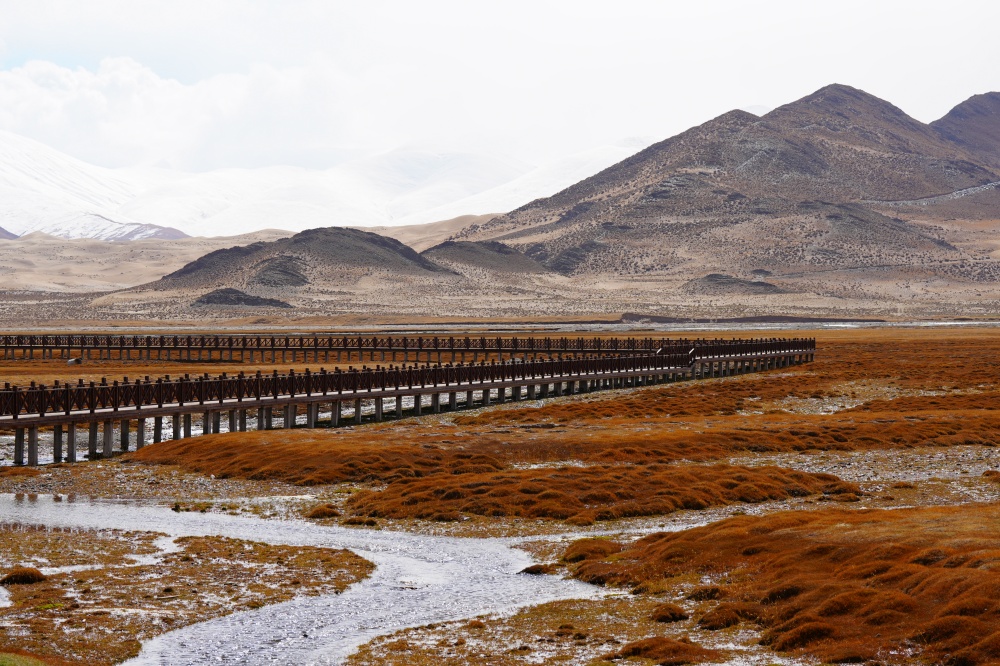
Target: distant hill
(39, 262)
(44, 190)
(975, 126)
(835, 203)
(317, 263)
(6, 235)
(467, 258)
(813, 185)
(422, 236)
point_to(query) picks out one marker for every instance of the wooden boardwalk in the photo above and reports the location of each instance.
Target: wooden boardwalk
(323, 348)
(241, 400)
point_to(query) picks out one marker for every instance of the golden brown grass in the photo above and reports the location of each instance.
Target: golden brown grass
(310, 457)
(618, 454)
(22, 576)
(666, 651)
(22, 472)
(585, 495)
(840, 586)
(22, 658)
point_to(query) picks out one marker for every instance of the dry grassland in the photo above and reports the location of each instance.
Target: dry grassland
(582, 496)
(839, 586)
(825, 582)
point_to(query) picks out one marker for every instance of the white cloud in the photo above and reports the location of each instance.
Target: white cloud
(198, 85)
(125, 114)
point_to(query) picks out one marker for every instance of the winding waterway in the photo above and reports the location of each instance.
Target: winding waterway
(418, 580)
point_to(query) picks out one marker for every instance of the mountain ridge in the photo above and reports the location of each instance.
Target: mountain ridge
(835, 203)
(975, 125)
(802, 162)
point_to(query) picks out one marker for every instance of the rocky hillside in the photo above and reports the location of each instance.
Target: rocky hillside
(314, 264)
(975, 126)
(838, 202)
(813, 185)
(481, 258)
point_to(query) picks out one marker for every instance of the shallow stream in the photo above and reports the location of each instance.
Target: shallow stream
(419, 580)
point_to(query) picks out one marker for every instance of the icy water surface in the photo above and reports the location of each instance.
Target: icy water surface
(419, 580)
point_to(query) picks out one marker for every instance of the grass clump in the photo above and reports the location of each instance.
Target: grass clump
(323, 511)
(838, 585)
(596, 493)
(664, 650)
(23, 576)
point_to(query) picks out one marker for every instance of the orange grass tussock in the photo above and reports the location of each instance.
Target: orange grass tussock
(583, 495)
(666, 651)
(875, 387)
(842, 586)
(311, 457)
(23, 576)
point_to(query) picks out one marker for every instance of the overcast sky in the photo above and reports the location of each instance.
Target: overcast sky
(204, 84)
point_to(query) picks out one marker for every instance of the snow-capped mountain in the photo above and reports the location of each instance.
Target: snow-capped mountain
(44, 190)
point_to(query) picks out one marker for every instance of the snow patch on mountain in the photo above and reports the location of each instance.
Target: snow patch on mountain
(44, 190)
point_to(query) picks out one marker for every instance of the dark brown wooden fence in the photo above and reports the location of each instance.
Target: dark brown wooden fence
(320, 347)
(119, 403)
(90, 397)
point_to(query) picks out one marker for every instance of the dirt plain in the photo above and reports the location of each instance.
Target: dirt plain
(843, 511)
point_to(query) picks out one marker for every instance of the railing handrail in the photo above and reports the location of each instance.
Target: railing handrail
(124, 394)
(318, 342)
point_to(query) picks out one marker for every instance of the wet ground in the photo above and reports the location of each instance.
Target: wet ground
(429, 584)
(419, 579)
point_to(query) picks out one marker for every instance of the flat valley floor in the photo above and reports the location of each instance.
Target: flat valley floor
(843, 511)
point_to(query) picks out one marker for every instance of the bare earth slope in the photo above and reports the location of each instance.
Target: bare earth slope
(975, 125)
(40, 262)
(682, 203)
(423, 236)
(318, 263)
(838, 195)
(468, 257)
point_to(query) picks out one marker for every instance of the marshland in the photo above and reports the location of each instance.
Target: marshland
(839, 511)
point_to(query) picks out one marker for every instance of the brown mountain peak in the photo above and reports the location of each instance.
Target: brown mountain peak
(838, 103)
(975, 126)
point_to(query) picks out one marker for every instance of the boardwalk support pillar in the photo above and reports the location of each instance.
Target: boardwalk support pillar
(109, 438)
(57, 443)
(125, 435)
(33, 446)
(92, 441)
(71, 443)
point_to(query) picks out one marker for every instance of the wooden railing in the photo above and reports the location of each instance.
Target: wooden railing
(328, 343)
(69, 398)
